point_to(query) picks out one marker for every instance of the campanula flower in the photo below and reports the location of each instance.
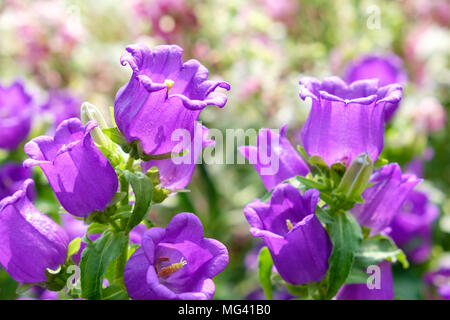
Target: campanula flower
(61, 105)
(176, 173)
(380, 289)
(274, 158)
(163, 95)
(175, 263)
(15, 115)
(30, 242)
(438, 283)
(346, 120)
(383, 199)
(387, 68)
(411, 228)
(12, 177)
(79, 174)
(292, 232)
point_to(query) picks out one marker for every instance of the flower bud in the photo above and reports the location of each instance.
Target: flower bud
(90, 112)
(356, 177)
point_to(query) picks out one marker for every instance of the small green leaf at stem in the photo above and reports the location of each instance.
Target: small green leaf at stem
(346, 236)
(143, 191)
(96, 258)
(115, 135)
(73, 248)
(265, 264)
(378, 248)
(114, 292)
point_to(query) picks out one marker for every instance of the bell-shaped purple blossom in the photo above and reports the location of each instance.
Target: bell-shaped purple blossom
(437, 283)
(346, 120)
(79, 174)
(175, 263)
(15, 115)
(411, 228)
(163, 95)
(383, 199)
(12, 177)
(388, 69)
(176, 173)
(61, 105)
(274, 158)
(30, 242)
(381, 288)
(299, 245)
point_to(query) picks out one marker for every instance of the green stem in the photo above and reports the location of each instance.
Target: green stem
(120, 266)
(129, 165)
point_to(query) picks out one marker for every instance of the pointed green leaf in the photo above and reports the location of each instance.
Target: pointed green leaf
(143, 191)
(265, 270)
(73, 247)
(345, 234)
(379, 248)
(95, 259)
(115, 135)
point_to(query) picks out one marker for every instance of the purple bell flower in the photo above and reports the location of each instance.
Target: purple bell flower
(274, 158)
(177, 175)
(175, 263)
(30, 242)
(346, 120)
(437, 283)
(15, 115)
(12, 177)
(384, 198)
(388, 69)
(411, 228)
(80, 175)
(361, 291)
(62, 104)
(163, 95)
(299, 245)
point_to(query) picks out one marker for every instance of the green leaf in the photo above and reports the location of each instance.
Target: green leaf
(345, 234)
(323, 215)
(96, 258)
(311, 184)
(96, 228)
(23, 288)
(377, 249)
(114, 292)
(143, 190)
(73, 247)
(265, 264)
(118, 196)
(115, 135)
(357, 275)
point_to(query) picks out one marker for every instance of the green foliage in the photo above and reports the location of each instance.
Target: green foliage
(265, 264)
(95, 260)
(346, 236)
(143, 190)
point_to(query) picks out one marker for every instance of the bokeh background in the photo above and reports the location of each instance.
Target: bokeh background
(67, 52)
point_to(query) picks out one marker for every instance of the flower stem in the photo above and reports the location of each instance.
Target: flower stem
(129, 165)
(120, 265)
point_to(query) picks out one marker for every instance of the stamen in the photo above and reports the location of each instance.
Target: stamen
(169, 83)
(289, 224)
(158, 261)
(174, 267)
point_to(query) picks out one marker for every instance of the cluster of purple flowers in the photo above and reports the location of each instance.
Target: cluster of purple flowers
(164, 94)
(346, 120)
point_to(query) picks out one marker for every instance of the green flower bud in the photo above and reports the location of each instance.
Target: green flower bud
(356, 177)
(90, 112)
